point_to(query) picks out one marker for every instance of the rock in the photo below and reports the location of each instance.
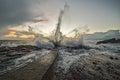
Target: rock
(8, 54)
(14, 54)
(96, 67)
(113, 40)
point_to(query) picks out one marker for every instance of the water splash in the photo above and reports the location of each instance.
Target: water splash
(56, 37)
(42, 44)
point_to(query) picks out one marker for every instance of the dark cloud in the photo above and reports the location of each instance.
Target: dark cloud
(16, 11)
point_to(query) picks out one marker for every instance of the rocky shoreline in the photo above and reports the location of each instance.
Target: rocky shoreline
(14, 57)
(32, 71)
(82, 64)
(86, 63)
(95, 67)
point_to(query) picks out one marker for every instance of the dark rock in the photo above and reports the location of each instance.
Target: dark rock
(111, 57)
(78, 47)
(113, 40)
(8, 54)
(116, 58)
(94, 63)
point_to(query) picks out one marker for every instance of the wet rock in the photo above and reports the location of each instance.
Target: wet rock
(113, 40)
(9, 54)
(3, 53)
(94, 63)
(114, 58)
(111, 57)
(14, 54)
(95, 67)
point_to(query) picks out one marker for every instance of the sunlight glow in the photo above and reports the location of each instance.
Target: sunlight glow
(26, 36)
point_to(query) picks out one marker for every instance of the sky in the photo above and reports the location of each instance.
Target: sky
(98, 15)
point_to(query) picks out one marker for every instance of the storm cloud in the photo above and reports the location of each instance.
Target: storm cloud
(100, 15)
(17, 11)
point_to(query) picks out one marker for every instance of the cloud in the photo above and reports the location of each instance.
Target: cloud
(14, 12)
(17, 11)
(41, 20)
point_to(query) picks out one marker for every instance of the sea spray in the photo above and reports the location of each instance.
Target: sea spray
(41, 44)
